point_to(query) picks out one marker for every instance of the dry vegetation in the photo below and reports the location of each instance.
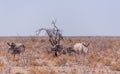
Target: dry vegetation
(103, 57)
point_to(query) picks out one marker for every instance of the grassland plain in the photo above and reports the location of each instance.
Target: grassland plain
(103, 56)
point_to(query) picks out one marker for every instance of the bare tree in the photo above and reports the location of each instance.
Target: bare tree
(55, 35)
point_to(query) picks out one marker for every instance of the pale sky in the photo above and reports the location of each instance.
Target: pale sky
(74, 17)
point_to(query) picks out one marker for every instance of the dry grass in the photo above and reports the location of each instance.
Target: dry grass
(60, 61)
(2, 65)
(103, 52)
(37, 70)
(115, 67)
(73, 71)
(106, 61)
(99, 72)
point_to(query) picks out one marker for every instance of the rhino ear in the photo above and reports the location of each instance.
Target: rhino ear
(8, 43)
(86, 44)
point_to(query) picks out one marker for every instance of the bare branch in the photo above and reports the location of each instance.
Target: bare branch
(55, 35)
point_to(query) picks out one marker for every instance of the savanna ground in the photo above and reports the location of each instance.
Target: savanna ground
(103, 56)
